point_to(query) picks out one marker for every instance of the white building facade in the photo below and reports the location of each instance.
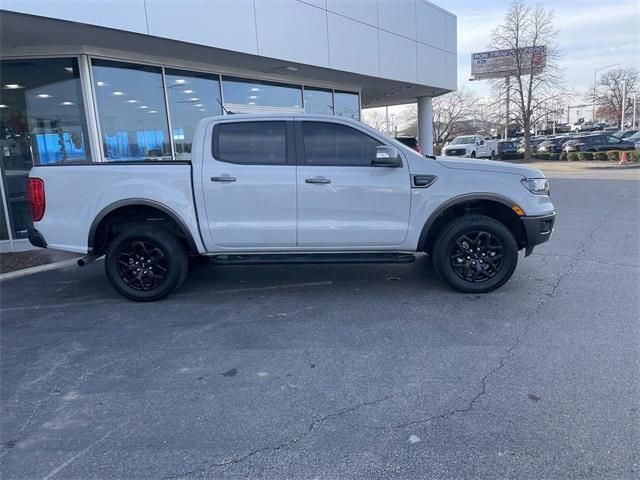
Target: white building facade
(127, 80)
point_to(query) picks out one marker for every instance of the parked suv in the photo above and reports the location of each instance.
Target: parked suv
(596, 143)
(292, 188)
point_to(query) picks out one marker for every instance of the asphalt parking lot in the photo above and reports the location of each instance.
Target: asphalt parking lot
(356, 371)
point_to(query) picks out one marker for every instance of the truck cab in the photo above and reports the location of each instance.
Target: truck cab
(291, 188)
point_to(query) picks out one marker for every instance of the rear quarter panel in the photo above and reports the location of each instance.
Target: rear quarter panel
(77, 194)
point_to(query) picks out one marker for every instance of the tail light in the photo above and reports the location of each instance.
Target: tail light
(35, 194)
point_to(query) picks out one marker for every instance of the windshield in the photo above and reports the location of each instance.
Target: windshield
(463, 140)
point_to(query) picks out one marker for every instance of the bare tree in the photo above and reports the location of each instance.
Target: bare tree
(375, 118)
(609, 93)
(449, 112)
(525, 29)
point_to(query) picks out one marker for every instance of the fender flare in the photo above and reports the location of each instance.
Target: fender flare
(139, 202)
(467, 197)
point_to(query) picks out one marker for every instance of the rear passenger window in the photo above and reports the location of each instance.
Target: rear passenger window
(332, 144)
(251, 143)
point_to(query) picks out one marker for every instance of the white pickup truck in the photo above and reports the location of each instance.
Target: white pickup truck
(471, 146)
(291, 188)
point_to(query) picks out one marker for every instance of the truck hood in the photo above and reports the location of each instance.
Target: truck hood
(460, 145)
(489, 166)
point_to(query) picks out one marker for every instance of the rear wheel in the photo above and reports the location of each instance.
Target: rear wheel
(475, 254)
(145, 263)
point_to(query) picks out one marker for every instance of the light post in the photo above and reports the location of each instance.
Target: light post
(595, 80)
(624, 103)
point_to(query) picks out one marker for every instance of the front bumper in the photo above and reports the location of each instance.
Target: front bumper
(36, 239)
(538, 229)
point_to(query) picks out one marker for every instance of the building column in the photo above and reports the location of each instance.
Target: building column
(425, 125)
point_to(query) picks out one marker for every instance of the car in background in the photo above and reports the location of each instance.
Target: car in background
(624, 134)
(533, 144)
(596, 143)
(507, 147)
(553, 145)
(411, 142)
(635, 139)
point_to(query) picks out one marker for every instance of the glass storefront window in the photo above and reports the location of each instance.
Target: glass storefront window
(192, 96)
(42, 122)
(131, 110)
(347, 105)
(261, 94)
(318, 101)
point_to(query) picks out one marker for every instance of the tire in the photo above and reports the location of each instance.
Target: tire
(490, 274)
(163, 250)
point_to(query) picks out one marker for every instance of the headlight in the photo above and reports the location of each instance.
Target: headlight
(539, 186)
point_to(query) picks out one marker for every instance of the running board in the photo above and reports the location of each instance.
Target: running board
(300, 258)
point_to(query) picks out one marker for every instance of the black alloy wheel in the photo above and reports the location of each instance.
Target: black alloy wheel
(476, 256)
(142, 265)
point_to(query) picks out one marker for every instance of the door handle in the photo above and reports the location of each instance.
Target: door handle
(319, 180)
(223, 178)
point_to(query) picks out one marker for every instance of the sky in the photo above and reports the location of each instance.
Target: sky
(592, 33)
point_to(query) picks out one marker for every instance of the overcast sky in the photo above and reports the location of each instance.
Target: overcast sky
(592, 33)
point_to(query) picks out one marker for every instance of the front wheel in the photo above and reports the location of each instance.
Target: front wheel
(475, 254)
(145, 263)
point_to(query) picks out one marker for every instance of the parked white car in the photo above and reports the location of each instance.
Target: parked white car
(471, 146)
(291, 188)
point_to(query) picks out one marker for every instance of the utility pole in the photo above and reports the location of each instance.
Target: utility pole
(624, 103)
(634, 110)
(386, 115)
(506, 118)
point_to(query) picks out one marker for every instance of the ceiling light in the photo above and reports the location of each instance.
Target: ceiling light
(132, 101)
(180, 81)
(43, 95)
(188, 91)
(2, 105)
(255, 89)
(12, 86)
(66, 103)
(117, 93)
(101, 84)
(143, 106)
(69, 69)
(194, 99)
(291, 68)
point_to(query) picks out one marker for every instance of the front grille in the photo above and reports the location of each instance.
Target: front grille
(459, 152)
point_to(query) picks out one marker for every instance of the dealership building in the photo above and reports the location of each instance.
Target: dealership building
(128, 80)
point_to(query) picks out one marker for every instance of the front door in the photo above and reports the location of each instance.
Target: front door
(344, 201)
(249, 185)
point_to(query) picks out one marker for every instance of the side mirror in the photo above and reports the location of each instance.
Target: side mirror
(386, 157)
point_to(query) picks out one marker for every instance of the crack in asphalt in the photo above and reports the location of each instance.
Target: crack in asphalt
(282, 445)
(528, 323)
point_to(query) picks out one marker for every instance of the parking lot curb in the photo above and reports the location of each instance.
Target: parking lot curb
(40, 268)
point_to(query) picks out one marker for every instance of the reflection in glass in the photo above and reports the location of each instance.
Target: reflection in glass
(42, 122)
(318, 101)
(255, 93)
(347, 105)
(192, 96)
(131, 110)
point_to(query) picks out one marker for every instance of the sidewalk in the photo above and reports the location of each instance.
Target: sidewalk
(568, 166)
(14, 261)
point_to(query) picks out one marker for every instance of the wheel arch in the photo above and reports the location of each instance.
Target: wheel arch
(492, 205)
(139, 205)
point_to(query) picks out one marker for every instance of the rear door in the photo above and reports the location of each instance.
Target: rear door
(249, 184)
(344, 201)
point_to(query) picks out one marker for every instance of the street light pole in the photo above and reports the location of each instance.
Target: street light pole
(595, 73)
(624, 103)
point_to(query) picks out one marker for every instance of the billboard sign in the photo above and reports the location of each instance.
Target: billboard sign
(502, 63)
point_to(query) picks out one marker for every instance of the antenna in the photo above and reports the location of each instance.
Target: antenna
(224, 109)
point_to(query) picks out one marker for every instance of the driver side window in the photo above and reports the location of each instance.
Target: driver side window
(337, 145)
